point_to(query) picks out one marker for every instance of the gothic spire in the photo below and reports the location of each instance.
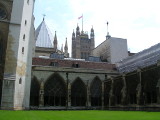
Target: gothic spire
(66, 47)
(62, 48)
(55, 41)
(92, 32)
(77, 30)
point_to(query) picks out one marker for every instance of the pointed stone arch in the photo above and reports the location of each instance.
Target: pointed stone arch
(3, 7)
(34, 92)
(132, 83)
(55, 91)
(96, 92)
(78, 93)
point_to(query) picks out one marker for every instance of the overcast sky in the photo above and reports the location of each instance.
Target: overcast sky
(138, 21)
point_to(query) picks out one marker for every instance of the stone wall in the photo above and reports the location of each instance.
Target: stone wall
(74, 63)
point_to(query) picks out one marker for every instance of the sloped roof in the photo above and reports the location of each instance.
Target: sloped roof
(142, 59)
(44, 37)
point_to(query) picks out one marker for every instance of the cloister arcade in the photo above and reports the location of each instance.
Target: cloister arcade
(137, 88)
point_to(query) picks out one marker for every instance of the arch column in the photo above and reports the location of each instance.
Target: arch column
(102, 97)
(111, 94)
(139, 88)
(158, 92)
(88, 104)
(68, 92)
(41, 95)
(124, 91)
(69, 95)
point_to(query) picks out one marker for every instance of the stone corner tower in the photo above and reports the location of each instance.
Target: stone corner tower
(17, 34)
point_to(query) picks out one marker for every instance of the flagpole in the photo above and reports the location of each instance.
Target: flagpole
(82, 23)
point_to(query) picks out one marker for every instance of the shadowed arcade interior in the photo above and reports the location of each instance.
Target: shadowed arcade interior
(78, 93)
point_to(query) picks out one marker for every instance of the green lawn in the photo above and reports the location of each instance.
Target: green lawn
(78, 115)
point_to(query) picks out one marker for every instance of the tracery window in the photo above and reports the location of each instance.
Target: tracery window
(78, 93)
(96, 92)
(55, 91)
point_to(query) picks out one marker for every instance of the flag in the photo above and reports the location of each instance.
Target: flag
(80, 17)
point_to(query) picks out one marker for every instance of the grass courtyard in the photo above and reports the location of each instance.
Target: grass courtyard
(78, 115)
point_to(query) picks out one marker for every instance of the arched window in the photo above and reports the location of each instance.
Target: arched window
(96, 92)
(55, 91)
(78, 93)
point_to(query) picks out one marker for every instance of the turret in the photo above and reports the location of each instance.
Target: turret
(92, 39)
(73, 35)
(55, 41)
(77, 31)
(66, 47)
(92, 33)
(62, 48)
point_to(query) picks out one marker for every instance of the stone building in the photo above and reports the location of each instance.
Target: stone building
(16, 33)
(112, 50)
(30, 81)
(81, 44)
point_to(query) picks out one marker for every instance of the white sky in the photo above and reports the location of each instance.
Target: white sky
(138, 21)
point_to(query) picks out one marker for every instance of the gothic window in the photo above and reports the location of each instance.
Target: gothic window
(96, 92)
(24, 36)
(118, 90)
(34, 92)
(22, 50)
(3, 13)
(132, 83)
(107, 88)
(25, 22)
(55, 91)
(20, 80)
(78, 93)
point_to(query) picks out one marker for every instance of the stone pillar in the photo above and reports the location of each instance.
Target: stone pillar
(139, 88)
(124, 91)
(102, 95)
(111, 94)
(68, 101)
(41, 95)
(69, 95)
(158, 92)
(88, 103)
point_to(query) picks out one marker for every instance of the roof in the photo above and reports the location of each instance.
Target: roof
(44, 37)
(142, 59)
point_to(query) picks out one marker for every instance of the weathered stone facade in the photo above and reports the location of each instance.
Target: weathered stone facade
(16, 29)
(80, 87)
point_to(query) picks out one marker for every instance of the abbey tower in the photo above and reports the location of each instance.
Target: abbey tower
(17, 38)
